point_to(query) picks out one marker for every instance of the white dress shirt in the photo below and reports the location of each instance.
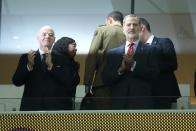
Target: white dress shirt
(150, 39)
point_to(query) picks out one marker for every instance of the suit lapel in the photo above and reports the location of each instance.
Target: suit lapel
(38, 57)
(155, 41)
(122, 49)
(118, 53)
(139, 48)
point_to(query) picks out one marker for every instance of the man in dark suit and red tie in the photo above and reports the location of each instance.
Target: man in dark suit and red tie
(130, 73)
(165, 87)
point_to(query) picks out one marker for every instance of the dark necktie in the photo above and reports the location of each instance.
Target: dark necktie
(43, 61)
(43, 58)
(130, 49)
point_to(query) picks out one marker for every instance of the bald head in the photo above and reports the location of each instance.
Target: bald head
(46, 27)
(46, 37)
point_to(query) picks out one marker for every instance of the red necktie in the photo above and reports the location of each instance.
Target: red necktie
(130, 49)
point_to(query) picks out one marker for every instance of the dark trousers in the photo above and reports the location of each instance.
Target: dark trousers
(161, 103)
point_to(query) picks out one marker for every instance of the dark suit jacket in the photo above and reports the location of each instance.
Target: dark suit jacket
(43, 89)
(166, 83)
(132, 90)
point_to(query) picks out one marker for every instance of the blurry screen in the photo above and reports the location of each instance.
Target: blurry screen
(21, 20)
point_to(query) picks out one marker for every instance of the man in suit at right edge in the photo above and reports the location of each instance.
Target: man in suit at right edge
(165, 87)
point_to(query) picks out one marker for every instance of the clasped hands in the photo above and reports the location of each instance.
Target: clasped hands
(31, 57)
(126, 64)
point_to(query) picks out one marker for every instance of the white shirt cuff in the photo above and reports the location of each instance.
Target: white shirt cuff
(133, 66)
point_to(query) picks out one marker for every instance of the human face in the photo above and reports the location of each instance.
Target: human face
(46, 37)
(131, 27)
(72, 49)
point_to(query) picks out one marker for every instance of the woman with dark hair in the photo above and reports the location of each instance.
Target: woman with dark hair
(63, 53)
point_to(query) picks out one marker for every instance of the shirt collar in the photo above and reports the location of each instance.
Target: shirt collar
(150, 39)
(41, 52)
(135, 43)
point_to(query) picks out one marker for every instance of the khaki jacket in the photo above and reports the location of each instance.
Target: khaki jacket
(104, 38)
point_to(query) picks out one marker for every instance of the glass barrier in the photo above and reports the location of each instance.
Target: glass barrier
(92, 103)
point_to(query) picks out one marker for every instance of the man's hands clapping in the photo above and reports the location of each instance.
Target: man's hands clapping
(127, 63)
(31, 57)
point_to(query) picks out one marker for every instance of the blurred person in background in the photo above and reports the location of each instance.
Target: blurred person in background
(105, 37)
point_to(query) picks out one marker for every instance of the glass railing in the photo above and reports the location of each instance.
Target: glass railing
(98, 103)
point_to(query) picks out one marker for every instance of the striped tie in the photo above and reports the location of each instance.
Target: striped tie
(130, 49)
